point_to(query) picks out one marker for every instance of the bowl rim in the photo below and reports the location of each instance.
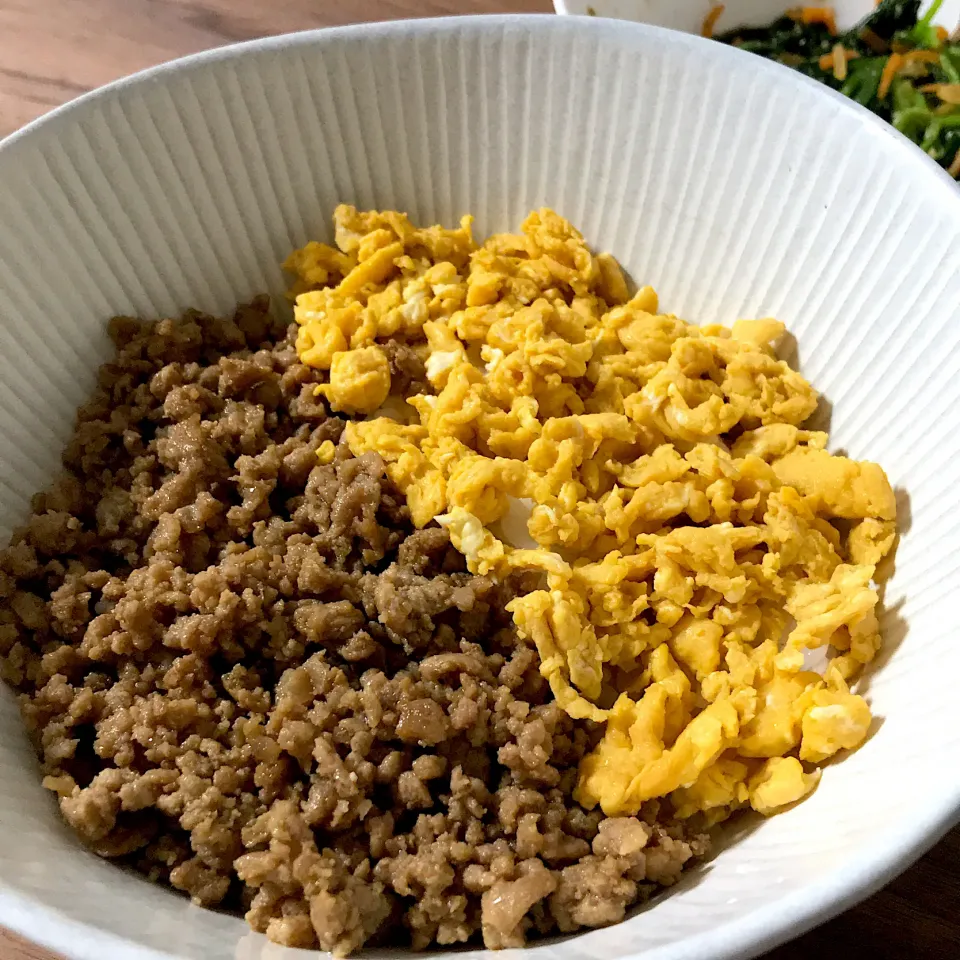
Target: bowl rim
(765, 927)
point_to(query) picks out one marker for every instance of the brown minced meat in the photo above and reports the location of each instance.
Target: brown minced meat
(249, 677)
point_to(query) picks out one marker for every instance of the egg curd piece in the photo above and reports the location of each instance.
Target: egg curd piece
(693, 543)
(359, 380)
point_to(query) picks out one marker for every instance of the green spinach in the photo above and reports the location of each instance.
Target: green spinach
(915, 93)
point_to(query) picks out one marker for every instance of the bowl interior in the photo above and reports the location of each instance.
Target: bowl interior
(734, 186)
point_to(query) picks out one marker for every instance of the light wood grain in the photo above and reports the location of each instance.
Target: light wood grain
(53, 50)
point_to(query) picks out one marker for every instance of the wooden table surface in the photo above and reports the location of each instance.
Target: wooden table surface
(53, 50)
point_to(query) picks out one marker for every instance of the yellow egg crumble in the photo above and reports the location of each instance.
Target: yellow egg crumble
(694, 542)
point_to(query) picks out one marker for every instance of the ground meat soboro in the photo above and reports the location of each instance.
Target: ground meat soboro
(250, 678)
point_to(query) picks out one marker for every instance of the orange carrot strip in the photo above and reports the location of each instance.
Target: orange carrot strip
(831, 61)
(839, 62)
(947, 92)
(922, 56)
(890, 68)
(823, 15)
(710, 20)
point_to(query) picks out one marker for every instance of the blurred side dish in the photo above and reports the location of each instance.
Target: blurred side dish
(898, 64)
(693, 546)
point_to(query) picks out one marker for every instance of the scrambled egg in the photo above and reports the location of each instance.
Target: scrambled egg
(694, 542)
(359, 380)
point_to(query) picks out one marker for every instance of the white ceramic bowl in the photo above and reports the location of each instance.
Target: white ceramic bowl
(735, 186)
(688, 15)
